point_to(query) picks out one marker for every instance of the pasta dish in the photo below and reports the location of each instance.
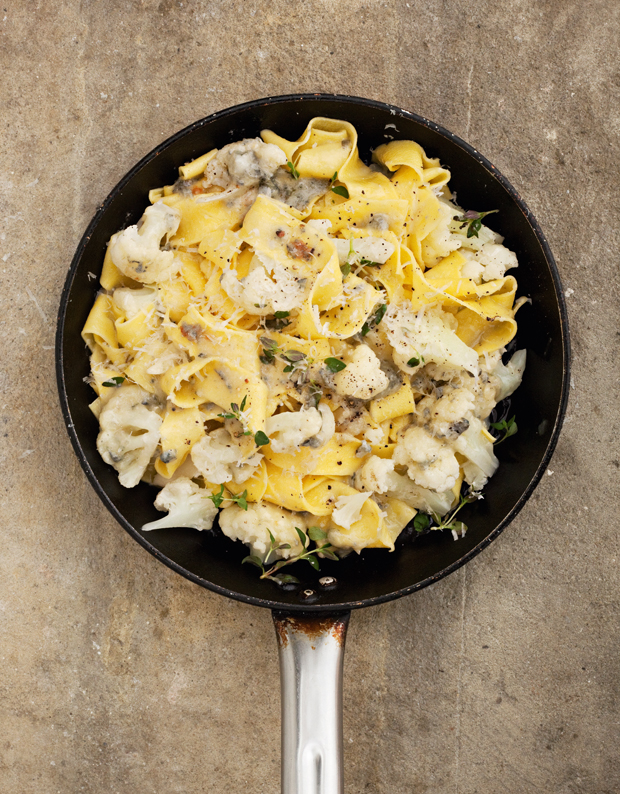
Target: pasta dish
(305, 346)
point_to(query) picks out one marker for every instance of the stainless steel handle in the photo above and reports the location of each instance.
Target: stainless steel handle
(311, 649)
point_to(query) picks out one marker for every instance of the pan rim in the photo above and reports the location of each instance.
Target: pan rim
(563, 316)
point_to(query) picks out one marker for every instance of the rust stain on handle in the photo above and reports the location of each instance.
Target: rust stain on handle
(313, 626)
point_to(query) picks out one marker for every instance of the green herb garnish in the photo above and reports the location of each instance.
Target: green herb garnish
(260, 439)
(335, 364)
(421, 522)
(278, 322)
(507, 426)
(369, 263)
(218, 497)
(340, 190)
(473, 221)
(374, 319)
(315, 534)
(113, 382)
(292, 169)
(415, 360)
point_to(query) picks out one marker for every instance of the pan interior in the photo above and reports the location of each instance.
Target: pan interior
(375, 575)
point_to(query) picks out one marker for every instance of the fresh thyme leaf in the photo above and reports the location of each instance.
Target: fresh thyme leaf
(278, 322)
(285, 578)
(240, 499)
(302, 536)
(421, 522)
(374, 319)
(335, 364)
(345, 269)
(260, 439)
(316, 533)
(114, 381)
(340, 190)
(314, 393)
(217, 498)
(473, 221)
(254, 560)
(292, 169)
(413, 362)
(243, 402)
(334, 178)
(326, 551)
(507, 426)
(293, 356)
(369, 263)
(313, 562)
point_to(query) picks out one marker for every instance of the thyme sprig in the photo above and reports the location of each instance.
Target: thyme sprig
(424, 521)
(374, 319)
(236, 412)
(507, 426)
(240, 499)
(473, 221)
(278, 322)
(292, 169)
(311, 555)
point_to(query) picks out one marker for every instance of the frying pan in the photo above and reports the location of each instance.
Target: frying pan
(311, 618)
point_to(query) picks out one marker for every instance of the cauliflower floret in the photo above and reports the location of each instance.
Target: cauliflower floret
(448, 414)
(133, 301)
(322, 225)
(245, 162)
(220, 460)
(429, 335)
(136, 250)
(348, 509)
(441, 242)
(481, 462)
(262, 294)
(510, 375)
(187, 504)
(375, 249)
(430, 463)
(309, 427)
(251, 527)
(129, 433)
(407, 491)
(374, 475)
(363, 377)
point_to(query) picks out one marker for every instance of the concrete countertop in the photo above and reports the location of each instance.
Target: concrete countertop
(120, 676)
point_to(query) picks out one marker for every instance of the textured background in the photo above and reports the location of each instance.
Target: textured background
(120, 676)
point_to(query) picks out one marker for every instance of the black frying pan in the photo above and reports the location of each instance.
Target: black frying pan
(211, 560)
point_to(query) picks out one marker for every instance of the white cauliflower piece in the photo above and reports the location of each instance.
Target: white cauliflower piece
(363, 377)
(268, 288)
(133, 301)
(441, 241)
(510, 375)
(375, 249)
(448, 414)
(136, 250)
(426, 334)
(252, 527)
(348, 509)
(374, 475)
(245, 162)
(310, 426)
(129, 433)
(407, 491)
(430, 462)
(220, 460)
(478, 449)
(497, 259)
(188, 505)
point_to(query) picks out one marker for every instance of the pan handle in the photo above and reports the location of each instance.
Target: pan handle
(311, 650)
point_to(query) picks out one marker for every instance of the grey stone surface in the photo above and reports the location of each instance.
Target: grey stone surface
(120, 676)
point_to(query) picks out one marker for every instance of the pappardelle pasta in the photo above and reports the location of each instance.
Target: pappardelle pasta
(306, 345)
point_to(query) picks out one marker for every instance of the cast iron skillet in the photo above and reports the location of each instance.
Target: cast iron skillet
(375, 576)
